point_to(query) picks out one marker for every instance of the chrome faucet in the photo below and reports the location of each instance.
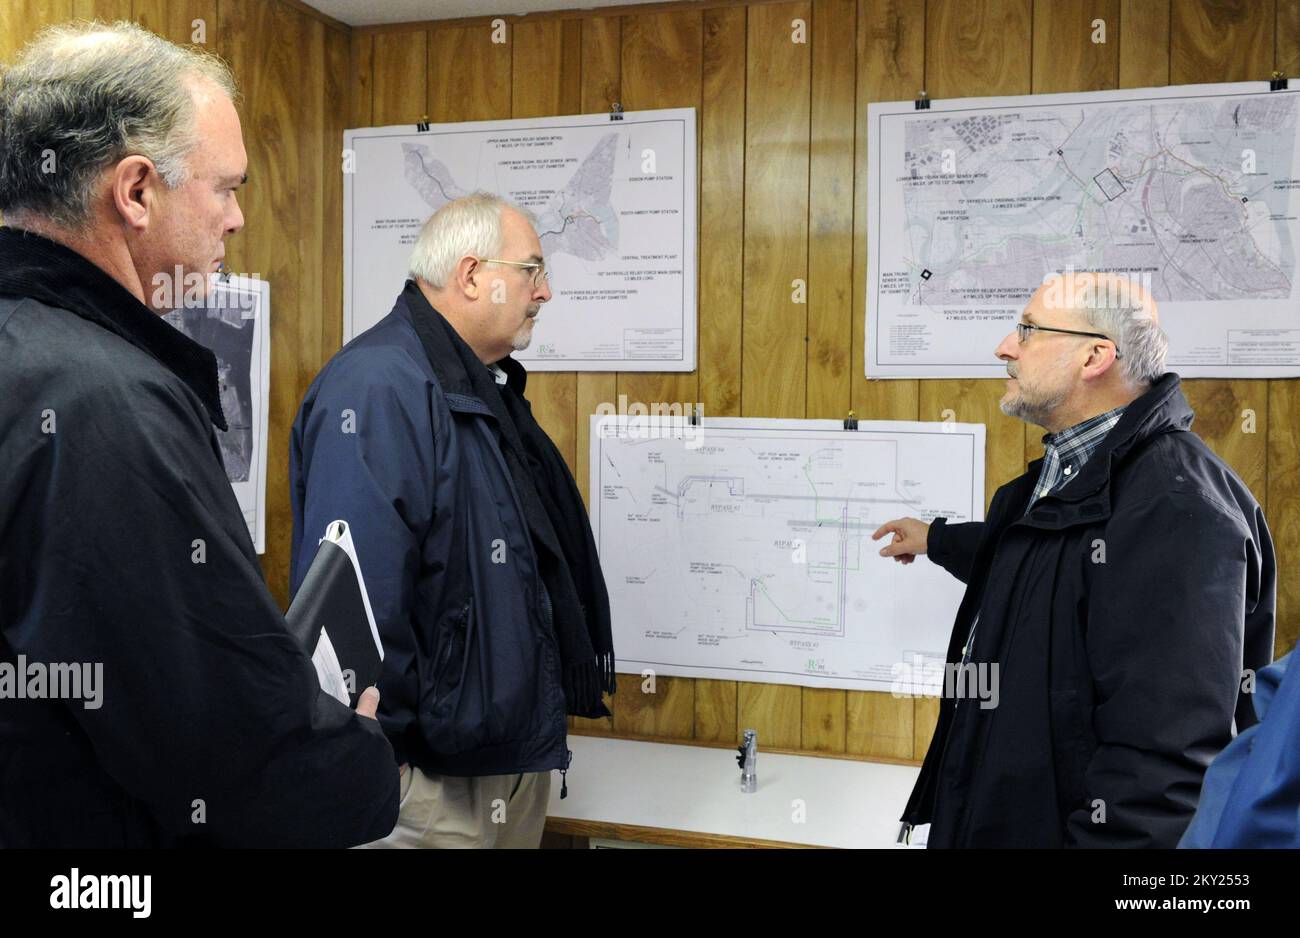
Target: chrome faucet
(748, 762)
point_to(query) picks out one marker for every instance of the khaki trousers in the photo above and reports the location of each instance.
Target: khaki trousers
(443, 811)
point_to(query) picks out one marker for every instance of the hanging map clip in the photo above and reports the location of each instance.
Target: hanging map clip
(1277, 81)
(850, 422)
(616, 111)
(922, 101)
(423, 125)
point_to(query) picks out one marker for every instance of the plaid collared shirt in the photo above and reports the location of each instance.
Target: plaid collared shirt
(1066, 452)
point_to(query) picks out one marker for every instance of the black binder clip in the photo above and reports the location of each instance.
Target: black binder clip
(423, 126)
(922, 101)
(223, 275)
(693, 418)
(616, 111)
(850, 422)
(1277, 82)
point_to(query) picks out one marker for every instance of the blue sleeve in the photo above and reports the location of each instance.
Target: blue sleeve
(363, 452)
(1251, 796)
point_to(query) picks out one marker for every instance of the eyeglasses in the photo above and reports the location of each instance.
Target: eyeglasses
(1023, 329)
(540, 274)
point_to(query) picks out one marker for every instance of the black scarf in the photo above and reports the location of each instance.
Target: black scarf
(557, 519)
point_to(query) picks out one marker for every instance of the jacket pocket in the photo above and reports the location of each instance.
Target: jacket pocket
(452, 644)
(1073, 747)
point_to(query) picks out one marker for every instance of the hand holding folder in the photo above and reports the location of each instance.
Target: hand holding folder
(330, 616)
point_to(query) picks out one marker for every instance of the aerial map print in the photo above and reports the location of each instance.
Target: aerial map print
(1190, 191)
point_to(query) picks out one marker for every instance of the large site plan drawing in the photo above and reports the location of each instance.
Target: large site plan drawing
(615, 212)
(234, 321)
(1192, 191)
(741, 549)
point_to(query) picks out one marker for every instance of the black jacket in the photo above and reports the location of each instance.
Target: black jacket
(122, 545)
(472, 680)
(1120, 613)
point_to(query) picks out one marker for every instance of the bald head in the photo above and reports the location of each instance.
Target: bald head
(1113, 305)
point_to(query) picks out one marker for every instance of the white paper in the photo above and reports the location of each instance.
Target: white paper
(329, 671)
(741, 549)
(341, 534)
(1194, 190)
(234, 321)
(615, 203)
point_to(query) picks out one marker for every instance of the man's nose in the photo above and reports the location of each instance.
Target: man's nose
(1009, 348)
(236, 222)
(542, 294)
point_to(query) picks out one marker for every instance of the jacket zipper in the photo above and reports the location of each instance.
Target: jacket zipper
(550, 636)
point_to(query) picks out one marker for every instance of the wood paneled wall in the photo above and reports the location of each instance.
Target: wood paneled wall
(782, 148)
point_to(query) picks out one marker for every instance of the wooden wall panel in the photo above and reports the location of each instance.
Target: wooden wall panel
(183, 21)
(1213, 41)
(774, 353)
(601, 87)
(1143, 44)
(974, 49)
(601, 67)
(722, 249)
(469, 74)
(263, 44)
(399, 90)
(1069, 57)
(891, 67)
(21, 20)
(661, 55)
(547, 55)
(828, 346)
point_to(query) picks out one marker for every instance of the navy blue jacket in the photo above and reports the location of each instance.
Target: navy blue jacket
(393, 441)
(1251, 796)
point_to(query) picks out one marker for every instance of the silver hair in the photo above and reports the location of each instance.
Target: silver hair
(470, 225)
(1123, 309)
(85, 95)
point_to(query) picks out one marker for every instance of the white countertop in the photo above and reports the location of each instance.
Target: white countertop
(844, 802)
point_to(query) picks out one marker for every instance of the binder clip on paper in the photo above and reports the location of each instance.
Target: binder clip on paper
(922, 101)
(1277, 81)
(616, 111)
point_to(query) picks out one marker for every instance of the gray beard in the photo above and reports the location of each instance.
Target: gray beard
(1037, 412)
(524, 337)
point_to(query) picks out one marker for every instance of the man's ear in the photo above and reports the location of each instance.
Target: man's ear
(1101, 358)
(468, 273)
(133, 185)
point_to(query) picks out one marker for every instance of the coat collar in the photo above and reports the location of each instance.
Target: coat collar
(1161, 409)
(44, 270)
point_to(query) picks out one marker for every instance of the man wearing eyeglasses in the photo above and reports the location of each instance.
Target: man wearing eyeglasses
(1120, 595)
(471, 535)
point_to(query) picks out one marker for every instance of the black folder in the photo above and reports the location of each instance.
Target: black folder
(332, 602)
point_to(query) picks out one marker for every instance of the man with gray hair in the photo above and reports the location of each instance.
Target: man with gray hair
(121, 542)
(474, 542)
(1119, 595)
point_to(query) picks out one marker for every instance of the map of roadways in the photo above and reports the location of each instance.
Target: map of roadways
(614, 205)
(1193, 191)
(741, 549)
